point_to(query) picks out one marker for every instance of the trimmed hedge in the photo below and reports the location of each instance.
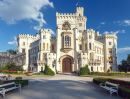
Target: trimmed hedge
(110, 74)
(22, 82)
(84, 71)
(48, 71)
(123, 89)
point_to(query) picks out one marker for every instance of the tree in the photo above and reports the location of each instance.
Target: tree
(124, 66)
(11, 51)
(128, 61)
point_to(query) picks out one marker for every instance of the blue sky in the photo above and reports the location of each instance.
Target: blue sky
(28, 16)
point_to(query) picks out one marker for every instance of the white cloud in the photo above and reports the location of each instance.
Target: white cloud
(123, 23)
(52, 32)
(121, 50)
(14, 42)
(106, 32)
(12, 11)
(103, 23)
(114, 32)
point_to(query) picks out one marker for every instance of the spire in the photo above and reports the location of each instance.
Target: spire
(43, 27)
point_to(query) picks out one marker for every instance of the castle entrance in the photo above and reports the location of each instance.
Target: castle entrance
(66, 65)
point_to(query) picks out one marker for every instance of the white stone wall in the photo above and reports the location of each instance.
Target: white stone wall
(79, 36)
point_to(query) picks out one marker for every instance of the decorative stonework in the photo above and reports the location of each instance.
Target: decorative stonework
(66, 26)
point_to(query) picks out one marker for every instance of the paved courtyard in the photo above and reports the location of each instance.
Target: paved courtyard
(61, 86)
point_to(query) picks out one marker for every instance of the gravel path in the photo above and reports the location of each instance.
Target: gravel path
(61, 86)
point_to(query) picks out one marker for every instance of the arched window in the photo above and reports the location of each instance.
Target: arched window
(89, 45)
(90, 56)
(47, 46)
(43, 56)
(67, 41)
(43, 45)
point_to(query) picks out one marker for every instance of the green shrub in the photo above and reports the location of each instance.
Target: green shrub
(84, 71)
(48, 71)
(123, 89)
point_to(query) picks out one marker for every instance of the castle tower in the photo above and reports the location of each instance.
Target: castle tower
(44, 43)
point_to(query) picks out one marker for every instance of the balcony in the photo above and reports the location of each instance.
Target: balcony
(38, 63)
(66, 49)
(94, 62)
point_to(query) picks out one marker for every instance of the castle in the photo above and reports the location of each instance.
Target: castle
(74, 47)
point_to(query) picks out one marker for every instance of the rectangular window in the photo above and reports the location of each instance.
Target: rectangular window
(47, 46)
(110, 50)
(23, 50)
(23, 43)
(91, 68)
(109, 43)
(80, 24)
(80, 31)
(86, 46)
(43, 56)
(80, 47)
(101, 68)
(52, 47)
(89, 45)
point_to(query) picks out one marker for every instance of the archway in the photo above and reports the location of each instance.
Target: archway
(66, 65)
(66, 60)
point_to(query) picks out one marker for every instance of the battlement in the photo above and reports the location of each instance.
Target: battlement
(89, 31)
(65, 14)
(4, 54)
(26, 36)
(107, 36)
(45, 31)
(79, 9)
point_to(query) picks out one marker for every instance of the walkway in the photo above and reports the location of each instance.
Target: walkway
(61, 86)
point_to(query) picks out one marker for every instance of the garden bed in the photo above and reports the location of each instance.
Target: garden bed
(123, 89)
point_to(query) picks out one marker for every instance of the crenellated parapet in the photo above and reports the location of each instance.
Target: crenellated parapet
(44, 31)
(5, 55)
(107, 36)
(25, 36)
(89, 31)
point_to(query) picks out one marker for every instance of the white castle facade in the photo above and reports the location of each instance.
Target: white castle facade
(74, 47)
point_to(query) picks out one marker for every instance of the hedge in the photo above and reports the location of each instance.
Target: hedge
(123, 89)
(22, 82)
